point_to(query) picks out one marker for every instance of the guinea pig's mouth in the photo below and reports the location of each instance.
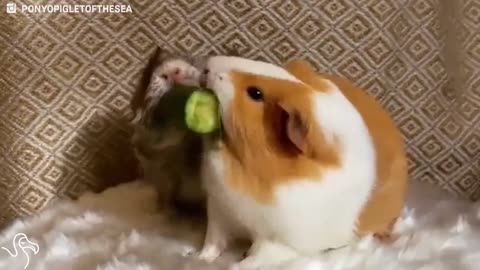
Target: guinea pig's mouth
(220, 130)
(203, 82)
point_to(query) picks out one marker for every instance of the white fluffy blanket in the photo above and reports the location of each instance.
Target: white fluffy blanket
(120, 229)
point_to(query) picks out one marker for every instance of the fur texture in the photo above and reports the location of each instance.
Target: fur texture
(168, 154)
(297, 164)
(106, 231)
(391, 161)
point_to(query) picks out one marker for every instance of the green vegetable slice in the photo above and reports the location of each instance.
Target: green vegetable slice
(201, 112)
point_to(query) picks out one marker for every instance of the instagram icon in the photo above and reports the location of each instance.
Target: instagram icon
(11, 8)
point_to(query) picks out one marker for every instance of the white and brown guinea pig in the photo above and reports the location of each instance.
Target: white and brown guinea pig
(307, 162)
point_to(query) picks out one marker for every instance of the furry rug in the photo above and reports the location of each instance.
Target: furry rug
(120, 229)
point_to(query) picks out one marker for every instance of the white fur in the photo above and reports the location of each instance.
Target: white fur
(187, 75)
(106, 231)
(330, 208)
(308, 215)
(223, 89)
(218, 64)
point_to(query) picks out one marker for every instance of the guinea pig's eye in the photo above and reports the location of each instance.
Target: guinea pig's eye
(255, 93)
(206, 71)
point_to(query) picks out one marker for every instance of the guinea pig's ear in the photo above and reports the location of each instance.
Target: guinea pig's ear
(300, 67)
(293, 126)
(138, 98)
(159, 56)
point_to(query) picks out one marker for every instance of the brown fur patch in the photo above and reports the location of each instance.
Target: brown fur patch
(388, 198)
(138, 99)
(260, 152)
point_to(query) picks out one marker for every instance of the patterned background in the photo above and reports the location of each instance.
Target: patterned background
(66, 80)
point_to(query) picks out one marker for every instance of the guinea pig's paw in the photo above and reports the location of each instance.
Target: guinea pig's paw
(209, 253)
(249, 263)
(188, 251)
(265, 255)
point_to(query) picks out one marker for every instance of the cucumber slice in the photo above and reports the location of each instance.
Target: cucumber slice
(201, 112)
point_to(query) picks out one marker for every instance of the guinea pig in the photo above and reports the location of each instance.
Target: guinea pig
(306, 163)
(169, 156)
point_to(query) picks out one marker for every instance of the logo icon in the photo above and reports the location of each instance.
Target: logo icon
(20, 241)
(11, 8)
